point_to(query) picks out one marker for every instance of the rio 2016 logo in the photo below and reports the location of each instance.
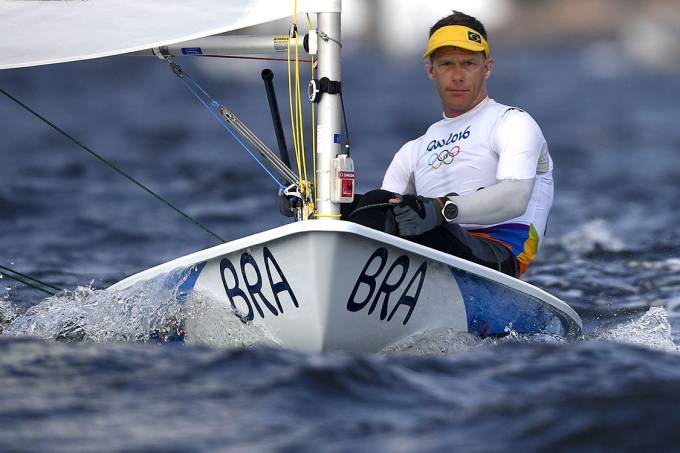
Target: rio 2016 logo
(443, 157)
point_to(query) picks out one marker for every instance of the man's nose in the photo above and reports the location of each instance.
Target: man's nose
(457, 73)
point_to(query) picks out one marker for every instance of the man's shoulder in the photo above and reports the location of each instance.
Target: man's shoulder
(407, 148)
(513, 117)
(503, 109)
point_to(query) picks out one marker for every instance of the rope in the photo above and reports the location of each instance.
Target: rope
(113, 166)
(370, 206)
(292, 116)
(236, 57)
(344, 120)
(325, 37)
(498, 258)
(309, 24)
(29, 281)
(298, 106)
(297, 122)
(294, 111)
(214, 107)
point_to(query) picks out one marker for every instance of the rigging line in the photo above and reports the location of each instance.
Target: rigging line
(231, 119)
(325, 37)
(30, 278)
(114, 167)
(29, 281)
(236, 57)
(344, 120)
(370, 206)
(296, 145)
(309, 24)
(216, 106)
(300, 112)
(298, 127)
(283, 170)
(298, 122)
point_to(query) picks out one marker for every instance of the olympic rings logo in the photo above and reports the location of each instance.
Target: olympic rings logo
(444, 157)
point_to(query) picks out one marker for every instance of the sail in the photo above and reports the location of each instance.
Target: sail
(38, 32)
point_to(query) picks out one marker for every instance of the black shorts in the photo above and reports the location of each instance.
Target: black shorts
(373, 210)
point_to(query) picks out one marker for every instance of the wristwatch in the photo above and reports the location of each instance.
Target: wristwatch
(449, 210)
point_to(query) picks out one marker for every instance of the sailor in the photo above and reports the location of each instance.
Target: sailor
(478, 184)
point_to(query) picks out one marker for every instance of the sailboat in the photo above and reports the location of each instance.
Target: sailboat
(319, 283)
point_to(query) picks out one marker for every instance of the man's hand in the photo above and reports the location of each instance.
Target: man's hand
(416, 215)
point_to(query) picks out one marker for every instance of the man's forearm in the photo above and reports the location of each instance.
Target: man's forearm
(499, 203)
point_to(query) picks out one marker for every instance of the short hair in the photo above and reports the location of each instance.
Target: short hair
(458, 18)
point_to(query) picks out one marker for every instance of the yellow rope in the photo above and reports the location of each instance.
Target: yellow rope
(292, 117)
(297, 122)
(298, 106)
(309, 23)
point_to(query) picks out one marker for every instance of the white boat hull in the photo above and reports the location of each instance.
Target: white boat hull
(334, 285)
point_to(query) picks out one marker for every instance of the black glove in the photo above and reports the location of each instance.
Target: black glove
(416, 215)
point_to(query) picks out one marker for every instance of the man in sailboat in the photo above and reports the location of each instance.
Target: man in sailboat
(478, 184)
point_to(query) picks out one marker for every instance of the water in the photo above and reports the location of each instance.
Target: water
(87, 371)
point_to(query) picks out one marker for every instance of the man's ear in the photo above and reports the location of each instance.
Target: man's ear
(488, 68)
(429, 68)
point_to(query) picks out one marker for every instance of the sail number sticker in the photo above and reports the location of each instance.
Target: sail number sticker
(389, 289)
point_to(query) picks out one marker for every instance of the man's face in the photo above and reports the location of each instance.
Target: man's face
(460, 76)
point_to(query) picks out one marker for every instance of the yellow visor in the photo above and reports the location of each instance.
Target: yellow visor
(457, 36)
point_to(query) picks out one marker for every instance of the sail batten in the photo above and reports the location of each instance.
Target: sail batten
(47, 32)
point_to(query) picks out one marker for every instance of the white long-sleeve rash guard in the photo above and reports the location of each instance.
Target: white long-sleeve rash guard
(497, 148)
(498, 203)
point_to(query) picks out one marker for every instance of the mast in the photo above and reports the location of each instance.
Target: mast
(329, 126)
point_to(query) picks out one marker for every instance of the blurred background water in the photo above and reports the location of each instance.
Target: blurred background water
(600, 78)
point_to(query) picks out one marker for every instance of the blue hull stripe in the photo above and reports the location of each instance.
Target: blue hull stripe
(491, 308)
(188, 284)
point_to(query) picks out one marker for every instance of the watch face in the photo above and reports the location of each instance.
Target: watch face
(450, 211)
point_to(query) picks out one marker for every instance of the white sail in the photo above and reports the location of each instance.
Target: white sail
(38, 32)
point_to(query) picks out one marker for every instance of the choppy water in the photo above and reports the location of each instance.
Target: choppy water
(107, 385)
